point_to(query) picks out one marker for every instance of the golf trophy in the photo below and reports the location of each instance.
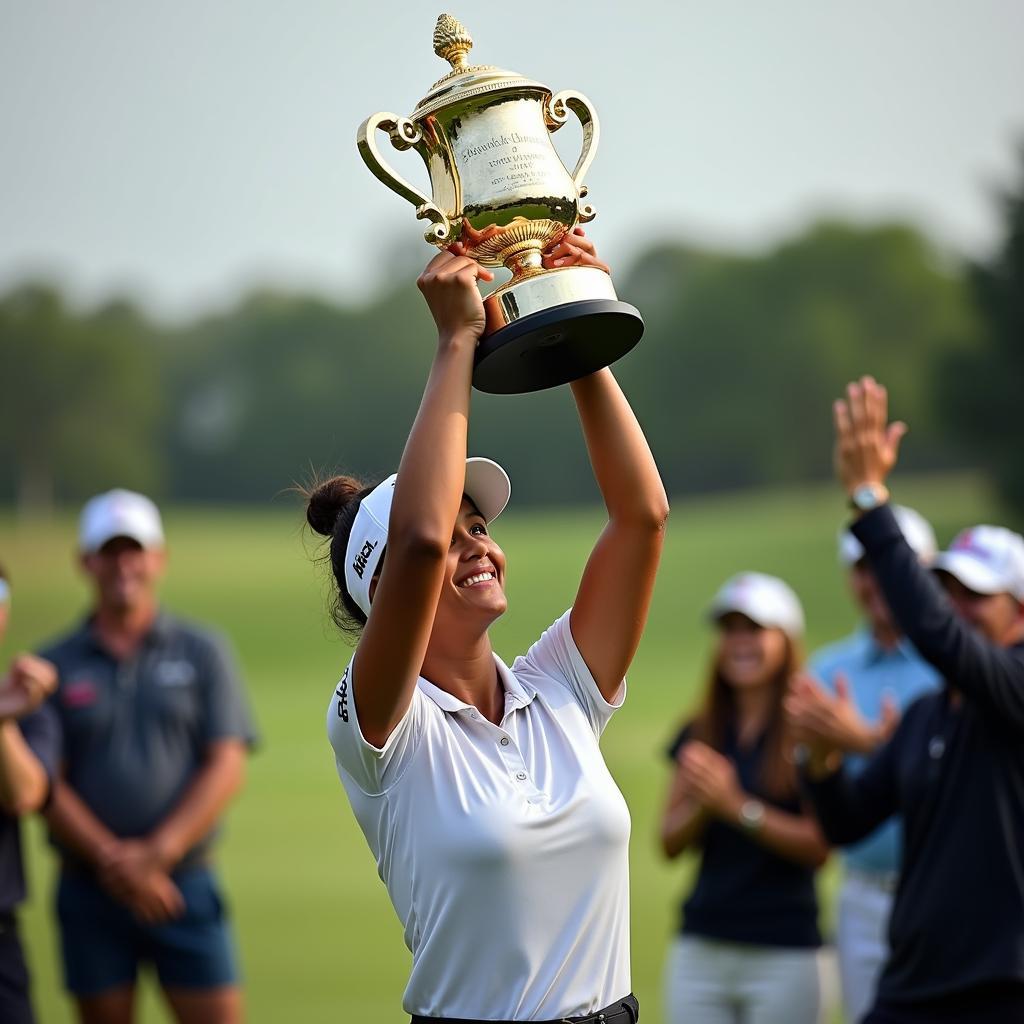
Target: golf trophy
(501, 190)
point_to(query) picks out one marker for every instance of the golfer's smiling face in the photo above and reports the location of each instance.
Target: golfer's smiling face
(474, 585)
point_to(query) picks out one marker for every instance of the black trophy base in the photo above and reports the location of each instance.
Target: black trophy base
(555, 346)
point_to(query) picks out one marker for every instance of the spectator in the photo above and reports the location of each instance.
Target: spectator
(28, 759)
(154, 732)
(747, 952)
(954, 767)
(869, 677)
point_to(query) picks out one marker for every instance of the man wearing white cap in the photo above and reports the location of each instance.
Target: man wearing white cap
(867, 679)
(154, 729)
(954, 767)
(28, 762)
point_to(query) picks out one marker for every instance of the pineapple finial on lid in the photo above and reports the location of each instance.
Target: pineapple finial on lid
(451, 41)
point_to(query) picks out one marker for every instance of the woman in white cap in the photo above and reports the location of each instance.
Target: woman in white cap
(747, 951)
(481, 789)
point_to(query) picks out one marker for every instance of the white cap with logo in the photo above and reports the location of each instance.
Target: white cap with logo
(487, 486)
(765, 600)
(119, 513)
(916, 530)
(987, 560)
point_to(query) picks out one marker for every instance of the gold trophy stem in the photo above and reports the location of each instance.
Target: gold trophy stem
(524, 261)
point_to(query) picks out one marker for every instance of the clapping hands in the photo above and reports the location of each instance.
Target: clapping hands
(711, 779)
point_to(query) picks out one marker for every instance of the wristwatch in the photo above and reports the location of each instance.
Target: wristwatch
(866, 497)
(752, 815)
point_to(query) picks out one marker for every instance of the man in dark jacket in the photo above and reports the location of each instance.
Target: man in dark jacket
(954, 768)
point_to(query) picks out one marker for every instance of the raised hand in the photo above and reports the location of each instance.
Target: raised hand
(831, 722)
(867, 444)
(574, 250)
(29, 682)
(890, 718)
(449, 285)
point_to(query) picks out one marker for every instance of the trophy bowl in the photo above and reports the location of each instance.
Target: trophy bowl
(500, 188)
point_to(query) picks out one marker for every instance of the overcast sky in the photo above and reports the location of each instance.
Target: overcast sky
(186, 149)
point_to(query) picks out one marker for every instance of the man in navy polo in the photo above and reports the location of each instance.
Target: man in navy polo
(28, 760)
(154, 731)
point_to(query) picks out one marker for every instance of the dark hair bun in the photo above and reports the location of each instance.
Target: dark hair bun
(328, 500)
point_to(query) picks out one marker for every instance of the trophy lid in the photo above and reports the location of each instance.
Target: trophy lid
(452, 42)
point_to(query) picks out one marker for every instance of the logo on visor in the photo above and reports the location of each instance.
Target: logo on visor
(359, 565)
(342, 694)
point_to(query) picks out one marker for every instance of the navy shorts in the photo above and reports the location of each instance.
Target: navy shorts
(103, 943)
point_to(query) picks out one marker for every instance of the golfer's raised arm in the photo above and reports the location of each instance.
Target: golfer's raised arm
(428, 493)
(611, 606)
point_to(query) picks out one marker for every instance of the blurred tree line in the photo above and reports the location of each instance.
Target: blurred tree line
(733, 379)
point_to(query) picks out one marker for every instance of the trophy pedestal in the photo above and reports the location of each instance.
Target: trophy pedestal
(556, 346)
(551, 328)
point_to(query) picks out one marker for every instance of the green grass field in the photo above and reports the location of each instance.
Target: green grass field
(319, 941)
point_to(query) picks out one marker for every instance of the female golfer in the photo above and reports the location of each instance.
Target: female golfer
(747, 951)
(481, 789)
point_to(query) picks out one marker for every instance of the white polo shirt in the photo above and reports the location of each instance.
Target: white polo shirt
(503, 848)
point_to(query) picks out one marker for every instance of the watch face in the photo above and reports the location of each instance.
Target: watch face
(752, 813)
(867, 497)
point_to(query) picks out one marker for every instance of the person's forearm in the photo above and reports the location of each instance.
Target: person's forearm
(76, 827)
(201, 805)
(432, 471)
(844, 815)
(793, 836)
(23, 781)
(980, 669)
(682, 826)
(624, 467)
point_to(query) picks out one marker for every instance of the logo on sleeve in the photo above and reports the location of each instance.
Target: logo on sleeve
(359, 565)
(342, 694)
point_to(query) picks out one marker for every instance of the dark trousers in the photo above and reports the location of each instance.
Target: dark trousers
(1001, 1003)
(14, 1005)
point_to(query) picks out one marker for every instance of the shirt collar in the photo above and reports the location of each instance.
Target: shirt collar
(159, 632)
(874, 652)
(517, 695)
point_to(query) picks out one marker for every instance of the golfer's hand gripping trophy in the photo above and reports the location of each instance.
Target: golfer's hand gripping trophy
(501, 190)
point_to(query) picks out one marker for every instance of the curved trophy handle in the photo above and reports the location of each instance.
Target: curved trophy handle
(404, 135)
(556, 114)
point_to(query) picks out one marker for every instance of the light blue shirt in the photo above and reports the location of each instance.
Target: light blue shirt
(873, 672)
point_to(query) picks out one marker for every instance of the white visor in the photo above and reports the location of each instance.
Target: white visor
(487, 486)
